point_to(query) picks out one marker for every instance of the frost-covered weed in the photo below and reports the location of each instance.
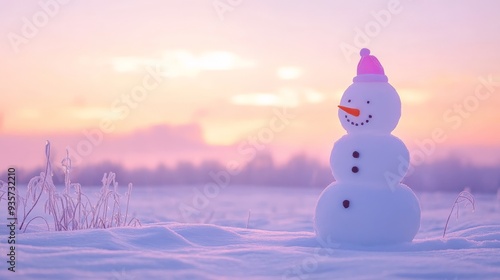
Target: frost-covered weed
(248, 218)
(463, 197)
(3, 191)
(72, 209)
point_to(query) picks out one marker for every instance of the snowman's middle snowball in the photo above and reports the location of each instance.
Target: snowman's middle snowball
(381, 159)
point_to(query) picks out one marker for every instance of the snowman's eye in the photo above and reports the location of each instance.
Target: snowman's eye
(346, 203)
(367, 102)
(349, 101)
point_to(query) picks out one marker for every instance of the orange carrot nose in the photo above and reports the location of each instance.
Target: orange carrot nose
(352, 111)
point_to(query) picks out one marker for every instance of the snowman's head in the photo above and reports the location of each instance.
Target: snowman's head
(370, 107)
(370, 104)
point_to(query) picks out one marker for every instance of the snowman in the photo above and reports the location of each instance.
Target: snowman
(368, 204)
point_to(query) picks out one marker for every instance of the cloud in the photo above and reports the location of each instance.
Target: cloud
(184, 63)
(126, 64)
(28, 113)
(92, 113)
(283, 97)
(258, 99)
(289, 72)
(413, 96)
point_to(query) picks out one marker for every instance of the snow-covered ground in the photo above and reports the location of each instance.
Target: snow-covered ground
(215, 243)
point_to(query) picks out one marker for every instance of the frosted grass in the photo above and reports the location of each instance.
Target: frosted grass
(72, 209)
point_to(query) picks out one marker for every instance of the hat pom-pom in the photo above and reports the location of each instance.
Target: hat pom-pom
(364, 52)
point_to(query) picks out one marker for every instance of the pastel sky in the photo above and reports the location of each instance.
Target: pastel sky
(163, 81)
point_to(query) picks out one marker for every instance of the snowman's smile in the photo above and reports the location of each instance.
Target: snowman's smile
(352, 115)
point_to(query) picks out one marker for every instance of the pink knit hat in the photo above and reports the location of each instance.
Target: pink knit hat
(369, 69)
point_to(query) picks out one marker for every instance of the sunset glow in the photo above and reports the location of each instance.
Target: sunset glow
(127, 67)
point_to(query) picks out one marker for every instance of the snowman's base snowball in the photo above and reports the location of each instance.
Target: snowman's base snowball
(367, 215)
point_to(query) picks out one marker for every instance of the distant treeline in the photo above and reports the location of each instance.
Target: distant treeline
(300, 171)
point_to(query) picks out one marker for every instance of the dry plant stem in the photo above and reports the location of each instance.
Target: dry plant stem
(2, 192)
(37, 217)
(128, 200)
(47, 167)
(464, 196)
(248, 218)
